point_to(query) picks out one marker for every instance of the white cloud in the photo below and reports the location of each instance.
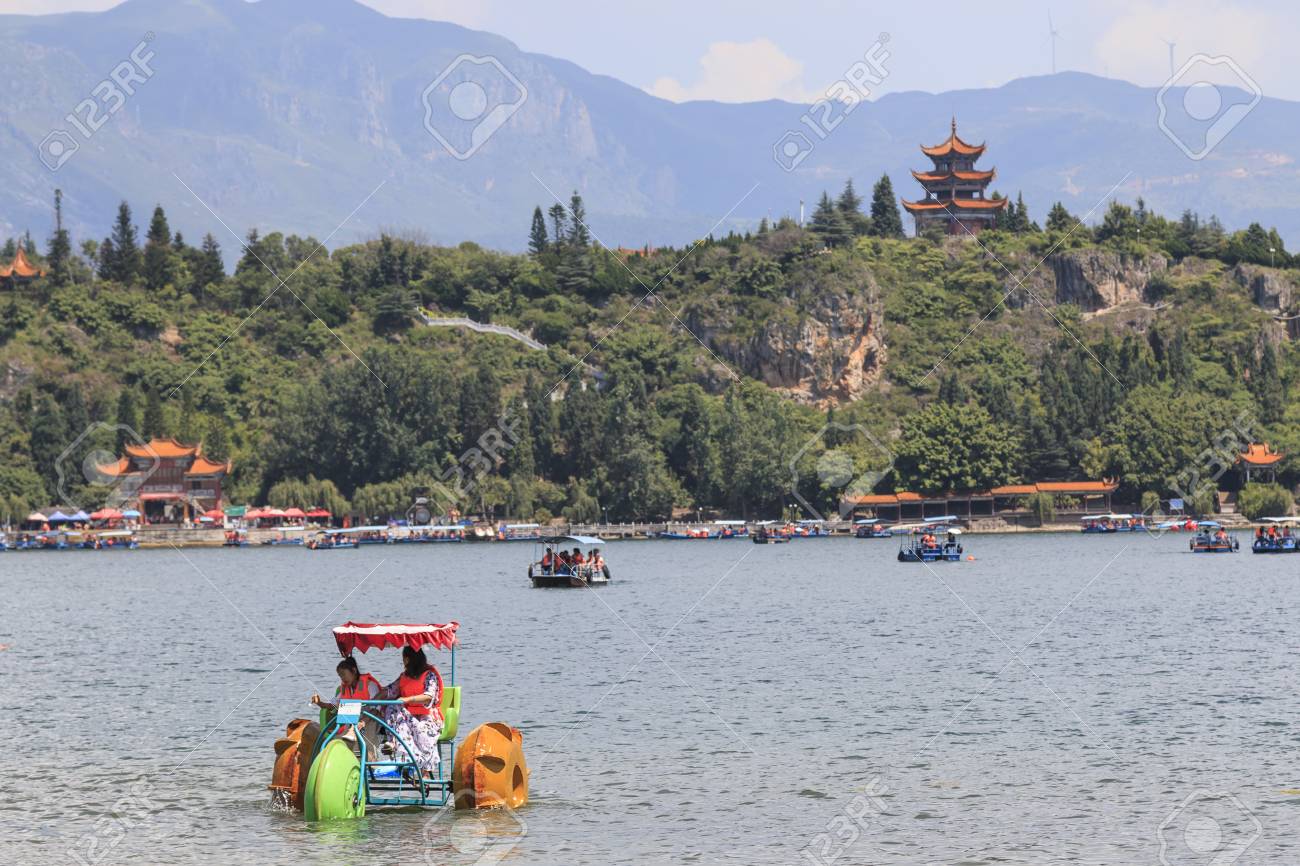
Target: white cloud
(1134, 48)
(741, 72)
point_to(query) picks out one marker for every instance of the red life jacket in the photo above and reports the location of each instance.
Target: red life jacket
(409, 687)
(360, 690)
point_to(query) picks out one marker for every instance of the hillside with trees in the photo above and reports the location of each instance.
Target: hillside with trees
(671, 378)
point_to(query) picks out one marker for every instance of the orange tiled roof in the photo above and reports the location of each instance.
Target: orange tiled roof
(1077, 486)
(939, 177)
(1257, 454)
(1064, 487)
(162, 448)
(954, 144)
(204, 466)
(20, 267)
(980, 204)
(114, 470)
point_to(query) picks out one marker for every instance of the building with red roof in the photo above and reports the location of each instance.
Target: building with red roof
(168, 481)
(954, 189)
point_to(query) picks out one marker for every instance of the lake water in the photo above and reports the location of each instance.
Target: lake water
(1057, 700)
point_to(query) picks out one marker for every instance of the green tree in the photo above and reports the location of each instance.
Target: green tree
(1264, 500)
(59, 258)
(957, 448)
(121, 249)
(159, 266)
(537, 240)
(828, 223)
(886, 221)
(1060, 220)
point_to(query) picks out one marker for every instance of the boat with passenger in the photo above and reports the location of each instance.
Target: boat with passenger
(582, 566)
(808, 529)
(872, 528)
(236, 538)
(1211, 537)
(686, 534)
(450, 534)
(1275, 535)
(1108, 523)
(364, 752)
(53, 539)
(331, 539)
(377, 534)
(767, 533)
(287, 536)
(730, 529)
(933, 540)
(520, 532)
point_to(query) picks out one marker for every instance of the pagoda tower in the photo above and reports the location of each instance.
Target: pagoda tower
(954, 189)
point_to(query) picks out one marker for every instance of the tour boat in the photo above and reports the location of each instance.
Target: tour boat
(872, 528)
(808, 529)
(1275, 535)
(48, 540)
(555, 575)
(1108, 523)
(1212, 538)
(236, 538)
(331, 539)
(336, 769)
(431, 535)
(915, 549)
(730, 529)
(289, 535)
(116, 539)
(520, 532)
(765, 535)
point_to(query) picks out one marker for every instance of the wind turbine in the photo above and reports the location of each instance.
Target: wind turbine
(1171, 54)
(1052, 34)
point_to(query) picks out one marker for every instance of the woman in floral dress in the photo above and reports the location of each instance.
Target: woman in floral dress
(418, 719)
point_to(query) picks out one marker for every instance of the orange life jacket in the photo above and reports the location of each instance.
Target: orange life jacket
(360, 690)
(409, 687)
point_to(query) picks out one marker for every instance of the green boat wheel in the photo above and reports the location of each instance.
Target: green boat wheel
(333, 783)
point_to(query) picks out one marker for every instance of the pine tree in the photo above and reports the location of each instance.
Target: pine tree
(559, 222)
(106, 260)
(1267, 385)
(124, 263)
(128, 418)
(1059, 219)
(158, 269)
(886, 221)
(850, 205)
(59, 260)
(579, 236)
(209, 268)
(829, 224)
(537, 240)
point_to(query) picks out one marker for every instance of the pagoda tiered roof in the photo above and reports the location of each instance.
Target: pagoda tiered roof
(969, 204)
(953, 146)
(166, 448)
(926, 177)
(20, 267)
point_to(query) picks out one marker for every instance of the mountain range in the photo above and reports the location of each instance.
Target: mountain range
(310, 117)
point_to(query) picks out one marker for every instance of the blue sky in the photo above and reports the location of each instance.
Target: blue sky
(756, 49)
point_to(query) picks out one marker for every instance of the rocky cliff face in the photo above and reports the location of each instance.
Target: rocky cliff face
(1095, 280)
(830, 353)
(1269, 288)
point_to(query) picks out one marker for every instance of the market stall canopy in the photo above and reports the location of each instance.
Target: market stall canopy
(360, 636)
(37, 517)
(215, 514)
(59, 517)
(105, 514)
(294, 512)
(318, 512)
(79, 516)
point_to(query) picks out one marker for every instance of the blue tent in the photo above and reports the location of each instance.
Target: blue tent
(59, 517)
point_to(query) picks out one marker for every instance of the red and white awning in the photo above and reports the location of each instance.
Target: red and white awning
(361, 636)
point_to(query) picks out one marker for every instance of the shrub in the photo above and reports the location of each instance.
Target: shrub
(1264, 500)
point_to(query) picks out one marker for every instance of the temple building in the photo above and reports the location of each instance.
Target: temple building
(1258, 463)
(167, 481)
(19, 271)
(954, 189)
